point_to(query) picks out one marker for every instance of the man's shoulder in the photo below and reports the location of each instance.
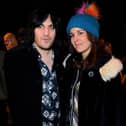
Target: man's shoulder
(18, 53)
(20, 50)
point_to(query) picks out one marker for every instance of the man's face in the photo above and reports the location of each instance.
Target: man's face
(10, 41)
(45, 34)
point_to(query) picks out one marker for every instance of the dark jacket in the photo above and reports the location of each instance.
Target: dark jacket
(24, 81)
(3, 88)
(99, 102)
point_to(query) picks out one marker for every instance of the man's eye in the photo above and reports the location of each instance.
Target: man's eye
(52, 27)
(40, 26)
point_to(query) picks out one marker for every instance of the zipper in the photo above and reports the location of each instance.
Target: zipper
(72, 98)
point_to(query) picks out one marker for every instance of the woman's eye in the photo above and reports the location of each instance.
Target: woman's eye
(80, 33)
(71, 35)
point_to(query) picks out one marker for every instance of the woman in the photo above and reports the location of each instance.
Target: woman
(93, 95)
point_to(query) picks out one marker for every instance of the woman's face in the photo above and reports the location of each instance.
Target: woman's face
(80, 41)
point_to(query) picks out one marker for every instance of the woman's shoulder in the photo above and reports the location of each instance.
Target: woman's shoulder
(102, 59)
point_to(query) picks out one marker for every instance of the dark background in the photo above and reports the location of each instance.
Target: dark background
(14, 14)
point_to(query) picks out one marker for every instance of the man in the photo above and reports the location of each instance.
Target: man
(10, 40)
(3, 92)
(33, 74)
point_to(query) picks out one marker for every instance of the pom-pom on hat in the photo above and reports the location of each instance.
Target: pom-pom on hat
(85, 21)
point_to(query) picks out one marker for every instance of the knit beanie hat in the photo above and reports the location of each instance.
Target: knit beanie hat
(84, 21)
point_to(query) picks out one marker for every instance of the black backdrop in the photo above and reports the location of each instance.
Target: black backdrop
(14, 14)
